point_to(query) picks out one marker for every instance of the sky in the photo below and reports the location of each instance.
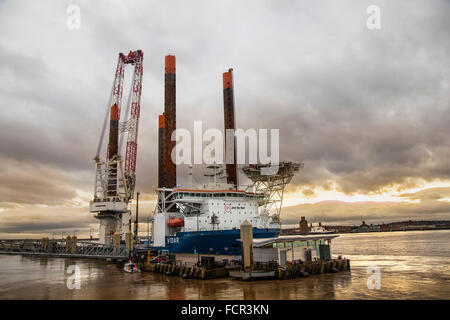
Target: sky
(366, 111)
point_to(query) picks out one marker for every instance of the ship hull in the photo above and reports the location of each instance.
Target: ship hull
(223, 242)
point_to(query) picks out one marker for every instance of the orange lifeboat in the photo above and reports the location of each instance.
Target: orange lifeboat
(175, 222)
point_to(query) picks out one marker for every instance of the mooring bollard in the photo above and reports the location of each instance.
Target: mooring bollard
(116, 244)
(74, 244)
(68, 243)
(328, 266)
(129, 241)
(247, 245)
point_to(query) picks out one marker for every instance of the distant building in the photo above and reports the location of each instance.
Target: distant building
(393, 226)
(340, 229)
(366, 228)
(303, 225)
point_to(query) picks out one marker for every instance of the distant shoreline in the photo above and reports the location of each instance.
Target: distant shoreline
(337, 229)
(410, 225)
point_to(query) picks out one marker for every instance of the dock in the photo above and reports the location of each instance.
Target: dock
(187, 272)
(295, 270)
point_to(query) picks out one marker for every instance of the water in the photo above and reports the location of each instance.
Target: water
(413, 265)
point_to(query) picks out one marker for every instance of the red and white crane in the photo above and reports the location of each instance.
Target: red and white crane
(115, 179)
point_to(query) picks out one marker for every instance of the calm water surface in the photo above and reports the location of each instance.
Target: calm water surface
(413, 265)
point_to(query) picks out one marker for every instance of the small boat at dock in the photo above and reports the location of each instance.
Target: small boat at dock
(131, 267)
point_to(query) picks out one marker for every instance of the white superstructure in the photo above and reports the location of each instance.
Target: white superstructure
(213, 206)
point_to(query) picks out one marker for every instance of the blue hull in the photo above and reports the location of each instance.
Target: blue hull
(224, 242)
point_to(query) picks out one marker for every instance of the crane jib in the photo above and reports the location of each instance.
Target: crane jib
(119, 176)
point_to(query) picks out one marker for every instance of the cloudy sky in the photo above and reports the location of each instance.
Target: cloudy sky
(366, 111)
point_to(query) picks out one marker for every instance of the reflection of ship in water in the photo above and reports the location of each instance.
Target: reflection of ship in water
(324, 286)
(312, 288)
(43, 261)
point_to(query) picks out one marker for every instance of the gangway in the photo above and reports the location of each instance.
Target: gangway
(63, 248)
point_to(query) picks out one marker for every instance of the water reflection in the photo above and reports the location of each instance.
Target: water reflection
(316, 287)
(43, 262)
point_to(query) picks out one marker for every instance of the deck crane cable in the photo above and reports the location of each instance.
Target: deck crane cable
(130, 94)
(105, 121)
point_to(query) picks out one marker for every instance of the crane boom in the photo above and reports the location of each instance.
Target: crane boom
(115, 179)
(133, 125)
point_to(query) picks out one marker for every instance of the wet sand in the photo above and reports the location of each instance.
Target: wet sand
(413, 265)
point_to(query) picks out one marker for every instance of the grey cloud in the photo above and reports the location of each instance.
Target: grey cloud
(43, 227)
(428, 194)
(24, 183)
(364, 109)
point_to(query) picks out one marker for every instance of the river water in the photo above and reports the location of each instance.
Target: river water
(395, 265)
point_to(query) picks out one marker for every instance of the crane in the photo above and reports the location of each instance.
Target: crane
(115, 178)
